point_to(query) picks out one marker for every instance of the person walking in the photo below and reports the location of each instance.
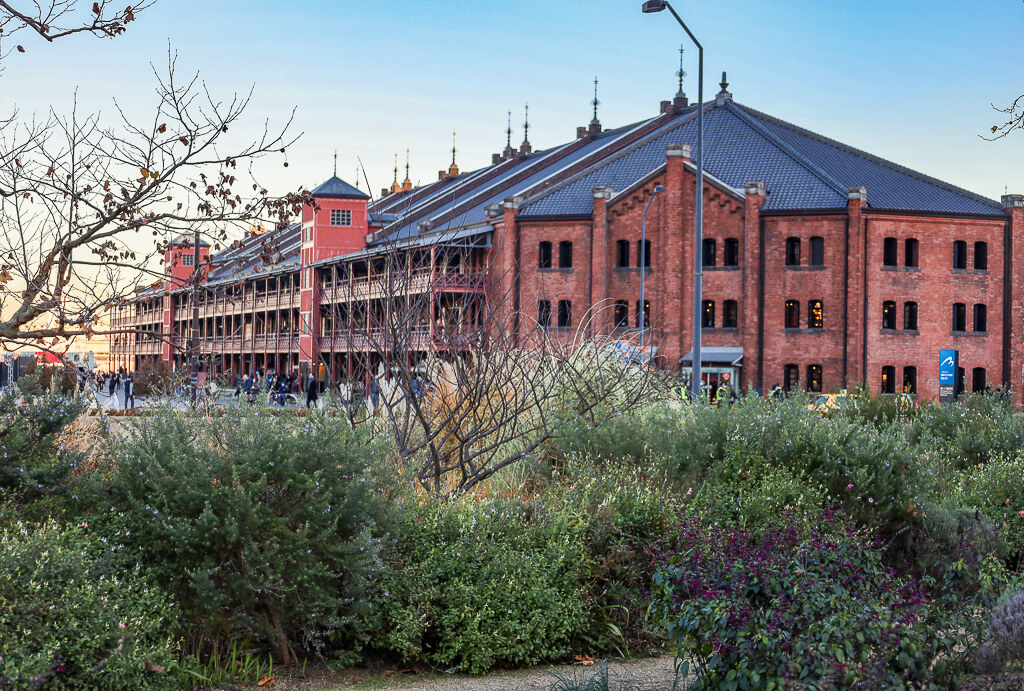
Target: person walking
(129, 390)
(374, 394)
(312, 391)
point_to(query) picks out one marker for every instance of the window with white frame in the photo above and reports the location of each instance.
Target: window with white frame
(188, 260)
(341, 217)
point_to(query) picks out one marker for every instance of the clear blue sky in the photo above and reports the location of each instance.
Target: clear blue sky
(911, 81)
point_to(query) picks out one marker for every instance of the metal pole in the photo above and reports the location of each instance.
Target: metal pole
(643, 263)
(698, 259)
(194, 340)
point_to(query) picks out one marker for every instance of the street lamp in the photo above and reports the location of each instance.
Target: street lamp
(649, 7)
(643, 264)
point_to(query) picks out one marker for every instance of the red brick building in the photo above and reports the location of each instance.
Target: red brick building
(824, 265)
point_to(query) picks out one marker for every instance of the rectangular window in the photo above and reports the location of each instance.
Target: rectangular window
(709, 254)
(980, 318)
(815, 314)
(646, 314)
(623, 254)
(817, 251)
(565, 255)
(888, 379)
(730, 314)
(188, 259)
(792, 251)
(814, 378)
(910, 258)
(707, 314)
(544, 255)
(646, 259)
(790, 377)
(959, 316)
(731, 255)
(979, 379)
(910, 380)
(888, 315)
(621, 314)
(544, 313)
(889, 252)
(910, 316)
(980, 256)
(341, 217)
(959, 254)
(564, 314)
(792, 314)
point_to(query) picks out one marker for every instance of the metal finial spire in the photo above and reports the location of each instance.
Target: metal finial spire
(595, 102)
(508, 132)
(406, 163)
(526, 124)
(335, 163)
(453, 147)
(357, 175)
(681, 73)
(396, 169)
(724, 83)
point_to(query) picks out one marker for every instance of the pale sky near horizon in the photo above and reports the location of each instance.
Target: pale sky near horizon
(910, 81)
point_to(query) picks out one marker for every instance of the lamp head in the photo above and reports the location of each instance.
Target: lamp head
(657, 189)
(654, 6)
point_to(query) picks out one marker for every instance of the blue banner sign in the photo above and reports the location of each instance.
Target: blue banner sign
(949, 365)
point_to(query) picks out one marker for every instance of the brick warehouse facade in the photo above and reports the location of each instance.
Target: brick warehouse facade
(823, 264)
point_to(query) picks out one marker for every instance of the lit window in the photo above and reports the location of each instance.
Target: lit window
(814, 378)
(646, 313)
(341, 217)
(888, 379)
(888, 315)
(815, 314)
(707, 314)
(792, 314)
(910, 380)
(621, 313)
(790, 377)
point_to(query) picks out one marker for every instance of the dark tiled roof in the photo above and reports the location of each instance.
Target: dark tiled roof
(336, 187)
(802, 170)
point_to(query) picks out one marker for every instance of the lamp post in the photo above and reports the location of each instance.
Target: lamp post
(651, 6)
(642, 316)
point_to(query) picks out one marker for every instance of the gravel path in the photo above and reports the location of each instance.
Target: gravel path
(650, 674)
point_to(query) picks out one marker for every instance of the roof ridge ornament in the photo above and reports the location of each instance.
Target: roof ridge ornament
(681, 73)
(453, 170)
(724, 94)
(595, 103)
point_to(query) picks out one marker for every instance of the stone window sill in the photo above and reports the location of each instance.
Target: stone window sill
(796, 330)
(969, 334)
(720, 268)
(970, 272)
(556, 269)
(887, 267)
(794, 267)
(721, 329)
(627, 269)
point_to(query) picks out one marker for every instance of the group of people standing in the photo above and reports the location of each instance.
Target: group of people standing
(278, 387)
(114, 384)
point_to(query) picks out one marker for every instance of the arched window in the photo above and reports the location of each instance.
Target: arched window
(817, 251)
(792, 314)
(646, 259)
(544, 313)
(707, 314)
(910, 379)
(565, 255)
(646, 314)
(730, 314)
(979, 379)
(959, 254)
(544, 259)
(790, 377)
(815, 314)
(910, 316)
(814, 378)
(731, 253)
(888, 379)
(564, 314)
(910, 257)
(709, 253)
(623, 254)
(792, 251)
(889, 252)
(888, 315)
(959, 316)
(981, 256)
(621, 314)
(980, 318)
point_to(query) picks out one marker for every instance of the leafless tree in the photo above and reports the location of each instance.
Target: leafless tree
(469, 384)
(75, 190)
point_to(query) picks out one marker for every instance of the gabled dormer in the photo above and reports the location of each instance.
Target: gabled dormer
(338, 226)
(179, 260)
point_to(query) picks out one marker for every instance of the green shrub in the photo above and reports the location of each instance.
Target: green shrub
(71, 614)
(33, 464)
(262, 525)
(472, 585)
(996, 489)
(973, 430)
